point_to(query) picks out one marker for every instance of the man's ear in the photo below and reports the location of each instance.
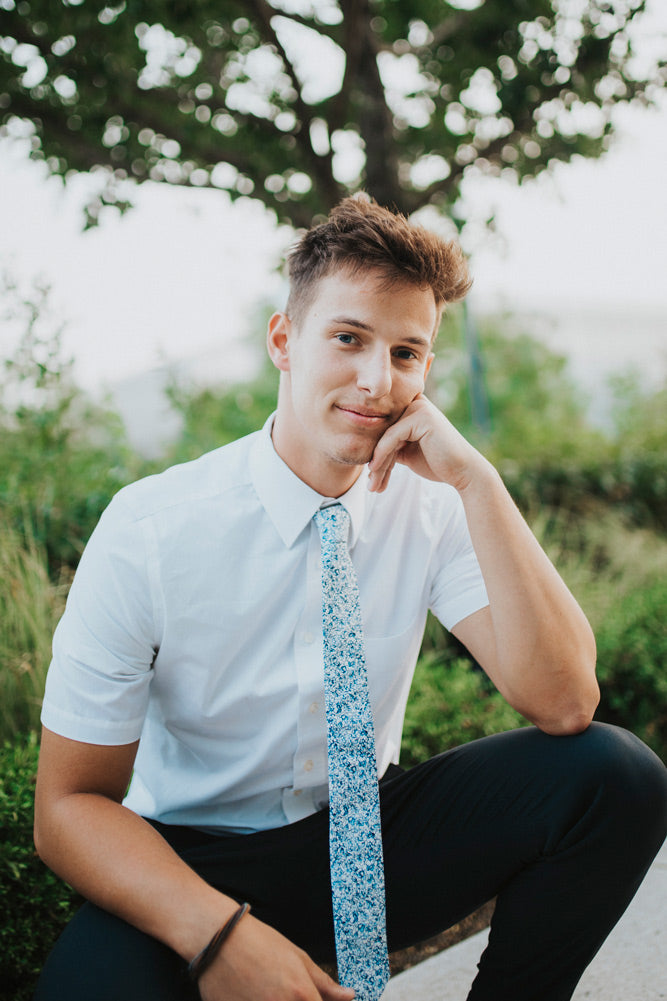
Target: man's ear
(429, 362)
(277, 340)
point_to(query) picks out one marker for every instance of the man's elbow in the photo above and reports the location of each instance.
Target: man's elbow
(573, 717)
(566, 726)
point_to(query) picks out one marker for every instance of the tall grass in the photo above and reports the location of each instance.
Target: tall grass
(30, 606)
(603, 559)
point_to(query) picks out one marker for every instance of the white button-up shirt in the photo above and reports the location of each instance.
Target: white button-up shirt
(194, 622)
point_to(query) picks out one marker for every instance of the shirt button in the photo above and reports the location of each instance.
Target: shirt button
(308, 637)
(308, 767)
(297, 792)
(313, 707)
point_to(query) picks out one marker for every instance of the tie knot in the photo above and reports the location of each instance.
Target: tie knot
(333, 523)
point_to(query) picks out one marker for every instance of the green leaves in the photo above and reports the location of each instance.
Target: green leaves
(256, 99)
(34, 903)
(451, 704)
(52, 436)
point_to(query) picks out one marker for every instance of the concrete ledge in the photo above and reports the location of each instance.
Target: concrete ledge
(630, 966)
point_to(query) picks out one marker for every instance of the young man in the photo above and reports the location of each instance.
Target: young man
(191, 661)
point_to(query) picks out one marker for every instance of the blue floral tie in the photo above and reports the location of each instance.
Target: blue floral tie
(355, 837)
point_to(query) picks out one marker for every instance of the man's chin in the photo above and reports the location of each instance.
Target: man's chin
(358, 455)
(355, 448)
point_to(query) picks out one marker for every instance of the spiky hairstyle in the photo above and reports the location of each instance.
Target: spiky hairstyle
(360, 235)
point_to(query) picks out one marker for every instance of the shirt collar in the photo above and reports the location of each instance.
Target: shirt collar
(288, 501)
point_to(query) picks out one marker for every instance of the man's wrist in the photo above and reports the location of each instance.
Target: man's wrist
(203, 959)
(200, 923)
(478, 476)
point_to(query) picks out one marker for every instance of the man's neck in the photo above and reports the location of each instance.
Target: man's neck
(325, 476)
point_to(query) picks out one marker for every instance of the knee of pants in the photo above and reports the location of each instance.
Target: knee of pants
(630, 781)
(99, 957)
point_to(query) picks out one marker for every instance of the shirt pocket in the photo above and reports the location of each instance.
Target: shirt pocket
(390, 662)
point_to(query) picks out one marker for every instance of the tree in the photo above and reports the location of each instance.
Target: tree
(296, 102)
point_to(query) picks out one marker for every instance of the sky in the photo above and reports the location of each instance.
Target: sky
(580, 256)
(595, 231)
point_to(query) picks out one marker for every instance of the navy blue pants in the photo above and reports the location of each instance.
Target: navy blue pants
(561, 830)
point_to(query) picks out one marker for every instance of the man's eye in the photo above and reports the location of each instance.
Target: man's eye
(345, 338)
(406, 354)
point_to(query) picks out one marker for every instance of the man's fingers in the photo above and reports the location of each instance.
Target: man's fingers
(391, 441)
(265, 966)
(328, 988)
(380, 473)
(387, 453)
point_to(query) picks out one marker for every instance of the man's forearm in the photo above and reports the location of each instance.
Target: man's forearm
(120, 862)
(544, 657)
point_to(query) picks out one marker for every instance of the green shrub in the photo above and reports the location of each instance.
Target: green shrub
(632, 665)
(451, 703)
(634, 487)
(215, 416)
(61, 457)
(541, 439)
(35, 905)
(617, 573)
(537, 412)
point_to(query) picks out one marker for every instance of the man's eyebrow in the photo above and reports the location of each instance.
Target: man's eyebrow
(350, 321)
(421, 342)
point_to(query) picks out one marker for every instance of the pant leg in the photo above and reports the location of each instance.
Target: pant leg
(560, 829)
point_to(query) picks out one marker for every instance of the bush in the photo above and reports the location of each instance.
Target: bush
(635, 487)
(61, 457)
(215, 416)
(632, 665)
(451, 703)
(537, 412)
(617, 573)
(61, 460)
(540, 437)
(34, 903)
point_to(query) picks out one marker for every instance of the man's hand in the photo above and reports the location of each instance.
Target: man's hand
(423, 439)
(257, 963)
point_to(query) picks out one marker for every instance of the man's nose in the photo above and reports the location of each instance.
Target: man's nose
(374, 374)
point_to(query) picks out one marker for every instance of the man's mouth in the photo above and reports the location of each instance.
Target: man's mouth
(364, 415)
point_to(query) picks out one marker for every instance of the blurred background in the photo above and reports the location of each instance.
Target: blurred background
(157, 160)
(295, 119)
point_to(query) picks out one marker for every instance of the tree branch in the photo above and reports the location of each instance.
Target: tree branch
(321, 166)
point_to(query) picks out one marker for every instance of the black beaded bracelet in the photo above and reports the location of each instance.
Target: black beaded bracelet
(203, 959)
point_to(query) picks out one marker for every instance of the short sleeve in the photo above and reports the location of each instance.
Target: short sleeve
(105, 644)
(458, 588)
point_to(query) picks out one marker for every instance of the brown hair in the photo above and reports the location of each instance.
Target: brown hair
(360, 235)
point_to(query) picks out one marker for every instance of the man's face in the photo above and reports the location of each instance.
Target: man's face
(358, 358)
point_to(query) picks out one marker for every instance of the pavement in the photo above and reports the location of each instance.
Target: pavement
(630, 966)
